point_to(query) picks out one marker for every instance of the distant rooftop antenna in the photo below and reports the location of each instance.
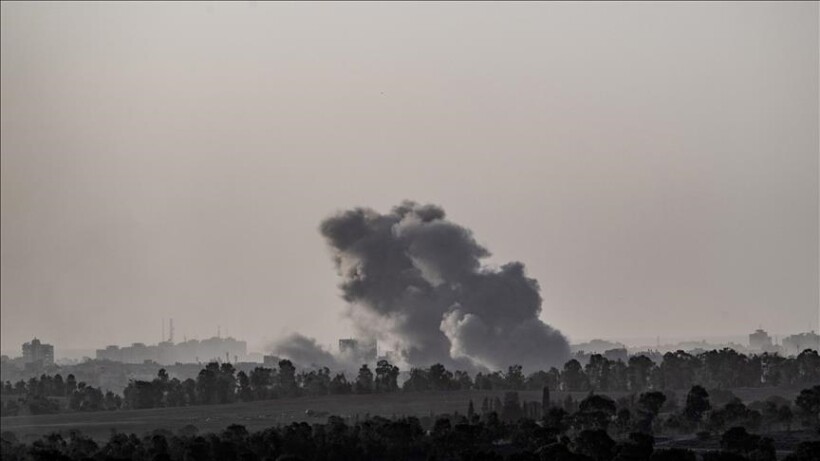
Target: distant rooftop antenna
(163, 331)
(218, 331)
(171, 330)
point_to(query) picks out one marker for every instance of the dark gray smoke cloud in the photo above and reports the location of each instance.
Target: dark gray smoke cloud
(304, 351)
(415, 279)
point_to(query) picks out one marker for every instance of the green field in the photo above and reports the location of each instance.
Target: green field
(259, 415)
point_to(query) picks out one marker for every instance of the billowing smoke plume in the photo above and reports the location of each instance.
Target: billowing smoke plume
(415, 280)
(305, 352)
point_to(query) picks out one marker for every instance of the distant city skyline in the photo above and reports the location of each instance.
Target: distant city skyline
(631, 342)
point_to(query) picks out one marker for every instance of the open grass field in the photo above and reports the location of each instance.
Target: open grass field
(259, 415)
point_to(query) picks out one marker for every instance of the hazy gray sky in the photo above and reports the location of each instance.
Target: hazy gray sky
(655, 166)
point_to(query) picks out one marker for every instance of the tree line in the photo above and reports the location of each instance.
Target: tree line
(597, 428)
(52, 394)
(220, 383)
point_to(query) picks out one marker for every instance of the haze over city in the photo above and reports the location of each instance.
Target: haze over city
(176, 161)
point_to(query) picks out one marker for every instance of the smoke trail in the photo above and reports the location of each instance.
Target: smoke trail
(415, 279)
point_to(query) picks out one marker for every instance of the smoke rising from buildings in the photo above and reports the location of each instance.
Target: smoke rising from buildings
(304, 351)
(415, 281)
(308, 353)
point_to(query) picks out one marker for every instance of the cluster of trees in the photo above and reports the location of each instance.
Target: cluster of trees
(652, 412)
(722, 369)
(220, 383)
(51, 394)
(598, 429)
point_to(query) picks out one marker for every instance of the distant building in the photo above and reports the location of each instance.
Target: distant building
(347, 345)
(651, 354)
(617, 354)
(363, 351)
(167, 353)
(760, 340)
(37, 353)
(255, 357)
(795, 344)
(596, 346)
(391, 356)
(270, 361)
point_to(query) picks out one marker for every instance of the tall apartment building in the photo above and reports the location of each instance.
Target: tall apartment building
(36, 352)
(760, 341)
